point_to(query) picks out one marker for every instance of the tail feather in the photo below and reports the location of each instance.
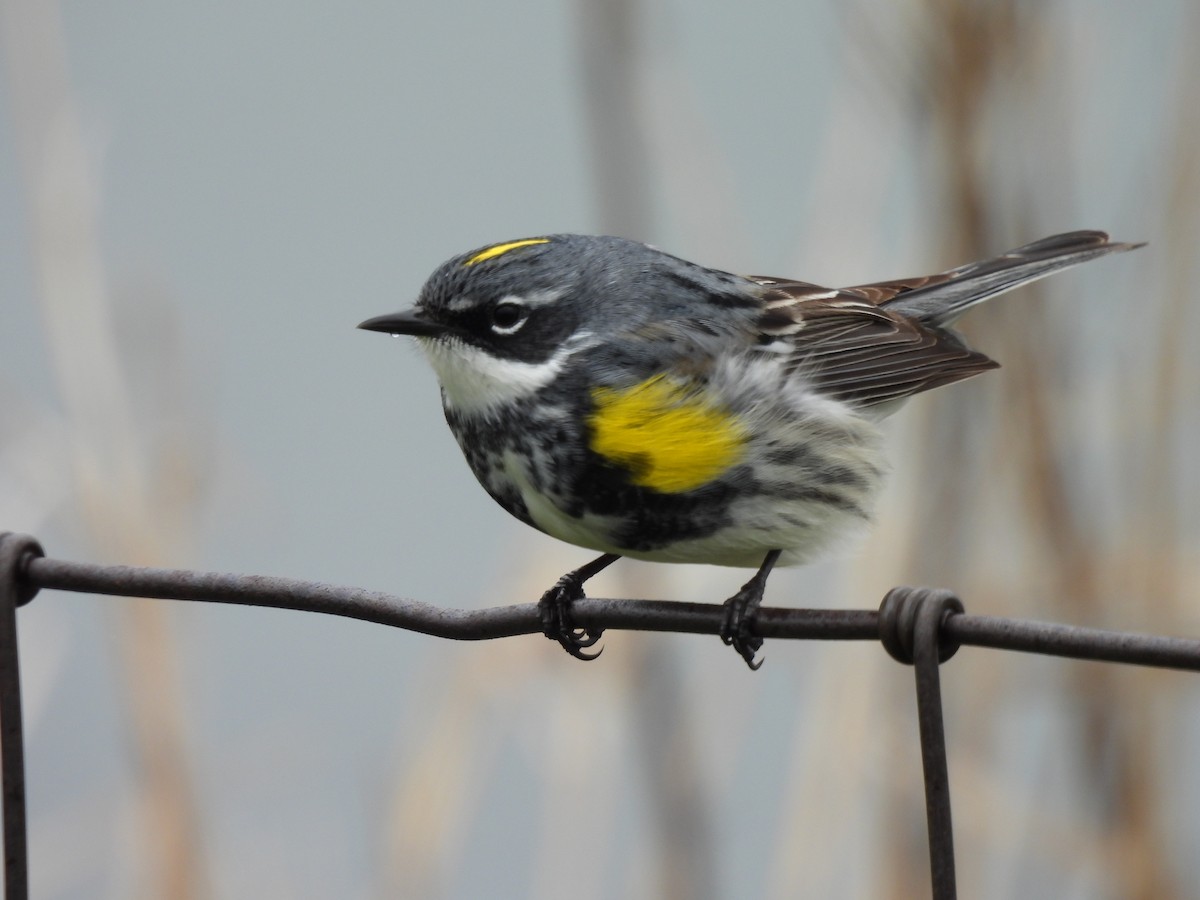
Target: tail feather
(949, 295)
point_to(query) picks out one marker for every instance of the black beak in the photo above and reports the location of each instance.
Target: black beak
(408, 322)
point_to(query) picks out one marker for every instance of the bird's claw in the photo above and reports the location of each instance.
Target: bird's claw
(737, 627)
(557, 624)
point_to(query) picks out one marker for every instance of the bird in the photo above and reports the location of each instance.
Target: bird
(631, 402)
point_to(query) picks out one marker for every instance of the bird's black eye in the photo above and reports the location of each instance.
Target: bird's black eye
(507, 317)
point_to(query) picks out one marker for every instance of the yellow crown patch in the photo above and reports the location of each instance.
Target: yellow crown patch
(501, 249)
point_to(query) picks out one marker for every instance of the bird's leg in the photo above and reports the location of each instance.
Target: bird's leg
(555, 609)
(741, 613)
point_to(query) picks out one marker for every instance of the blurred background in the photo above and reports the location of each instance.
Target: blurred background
(198, 202)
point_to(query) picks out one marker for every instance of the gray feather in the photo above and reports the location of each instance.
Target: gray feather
(949, 295)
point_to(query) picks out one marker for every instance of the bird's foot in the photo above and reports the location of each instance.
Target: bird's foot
(557, 624)
(737, 628)
(555, 610)
(741, 614)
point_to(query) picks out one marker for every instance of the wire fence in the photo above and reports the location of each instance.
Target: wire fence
(921, 627)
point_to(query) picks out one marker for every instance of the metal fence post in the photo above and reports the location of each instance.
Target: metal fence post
(910, 627)
(15, 550)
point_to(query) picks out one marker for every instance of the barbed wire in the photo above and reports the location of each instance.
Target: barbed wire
(921, 627)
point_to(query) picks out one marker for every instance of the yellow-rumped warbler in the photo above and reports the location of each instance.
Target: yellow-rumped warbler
(628, 401)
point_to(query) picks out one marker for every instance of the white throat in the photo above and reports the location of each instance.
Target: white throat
(475, 382)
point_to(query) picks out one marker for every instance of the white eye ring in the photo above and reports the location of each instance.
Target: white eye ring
(503, 326)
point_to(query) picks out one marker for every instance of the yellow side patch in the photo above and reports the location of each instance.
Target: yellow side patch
(669, 438)
(501, 249)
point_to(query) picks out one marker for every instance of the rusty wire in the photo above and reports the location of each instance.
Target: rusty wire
(917, 626)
